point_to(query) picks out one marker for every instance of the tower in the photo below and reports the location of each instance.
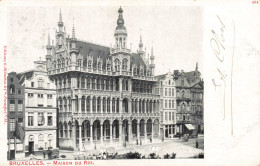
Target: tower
(49, 52)
(152, 65)
(60, 33)
(140, 45)
(120, 32)
(73, 50)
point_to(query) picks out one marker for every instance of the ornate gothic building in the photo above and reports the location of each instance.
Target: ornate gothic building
(105, 95)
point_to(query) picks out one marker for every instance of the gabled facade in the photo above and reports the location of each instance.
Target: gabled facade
(167, 91)
(15, 113)
(189, 90)
(40, 110)
(105, 94)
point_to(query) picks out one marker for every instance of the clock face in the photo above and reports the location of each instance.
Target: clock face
(120, 21)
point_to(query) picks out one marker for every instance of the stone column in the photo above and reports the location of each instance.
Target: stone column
(145, 101)
(152, 130)
(120, 132)
(168, 127)
(101, 133)
(129, 132)
(79, 82)
(175, 129)
(105, 105)
(115, 105)
(120, 84)
(137, 105)
(96, 110)
(68, 105)
(152, 107)
(74, 136)
(91, 134)
(79, 104)
(110, 105)
(145, 134)
(101, 105)
(80, 138)
(110, 131)
(138, 132)
(130, 106)
(120, 105)
(130, 85)
(91, 105)
(73, 105)
(85, 104)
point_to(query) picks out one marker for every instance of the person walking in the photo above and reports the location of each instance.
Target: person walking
(197, 144)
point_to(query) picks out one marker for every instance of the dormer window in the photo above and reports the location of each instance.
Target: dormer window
(79, 63)
(117, 65)
(135, 71)
(125, 64)
(89, 64)
(12, 89)
(142, 72)
(99, 66)
(62, 63)
(58, 63)
(40, 83)
(108, 67)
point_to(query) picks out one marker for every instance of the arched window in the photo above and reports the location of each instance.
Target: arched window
(58, 63)
(99, 66)
(79, 62)
(62, 63)
(93, 83)
(134, 71)
(40, 83)
(89, 64)
(117, 65)
(98, 84)
(142, 72)
(50, 138)
(183, 107)
(12, 89)
(70, 129)
(61, 129)
(109, 67)
(66, 129)
(125, 64)
(182, 94)
(54, 64)
(41, 141)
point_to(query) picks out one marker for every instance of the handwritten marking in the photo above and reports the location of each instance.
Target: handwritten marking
(218, 47)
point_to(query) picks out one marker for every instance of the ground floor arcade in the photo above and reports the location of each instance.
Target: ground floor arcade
(86, 134)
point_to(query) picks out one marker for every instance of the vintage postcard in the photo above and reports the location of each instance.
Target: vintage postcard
(110, 83)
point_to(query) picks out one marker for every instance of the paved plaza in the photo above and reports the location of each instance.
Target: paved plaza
(182, 149)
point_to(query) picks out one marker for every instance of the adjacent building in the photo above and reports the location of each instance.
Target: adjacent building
(106, 95)
(40, 110)
(15, 113)
(167, 91)
(189, 90)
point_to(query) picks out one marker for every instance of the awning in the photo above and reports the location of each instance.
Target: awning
(190, 126)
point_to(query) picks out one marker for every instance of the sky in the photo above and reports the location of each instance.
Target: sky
(176, 33)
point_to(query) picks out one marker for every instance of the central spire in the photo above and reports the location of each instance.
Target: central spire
(120, 20)
(60, 23)
(120, 32)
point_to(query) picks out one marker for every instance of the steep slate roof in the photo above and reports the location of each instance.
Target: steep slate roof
(159, 77)
(86, 49)
(24, 75)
